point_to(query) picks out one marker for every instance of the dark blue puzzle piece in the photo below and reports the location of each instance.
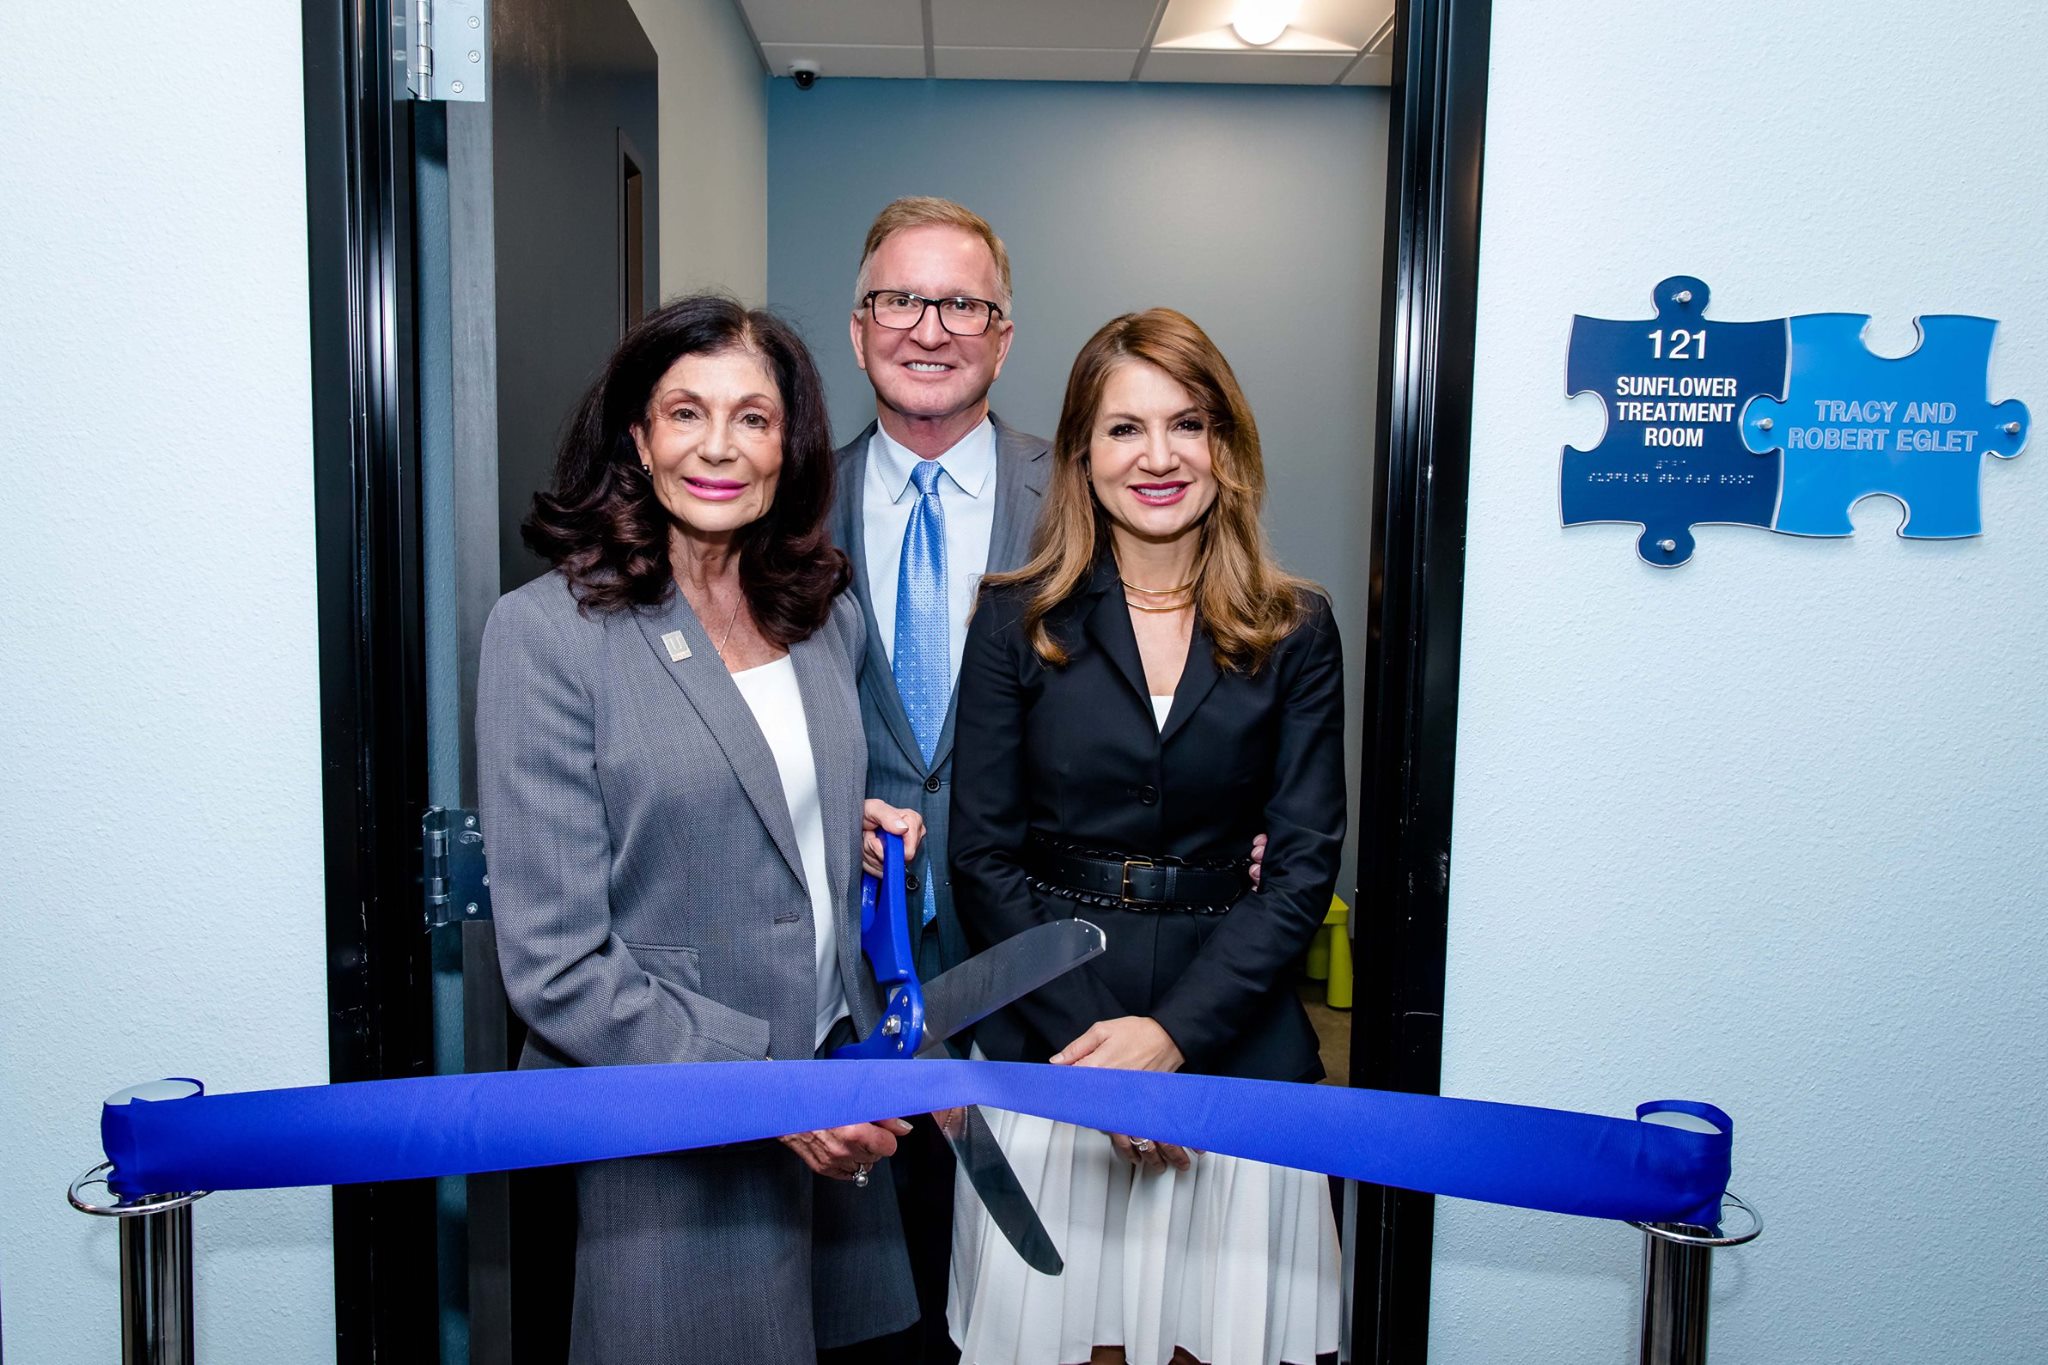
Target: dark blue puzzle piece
(1673, 457)
(1916, 428)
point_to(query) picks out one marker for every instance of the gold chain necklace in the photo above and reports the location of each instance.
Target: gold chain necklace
(1154, 592)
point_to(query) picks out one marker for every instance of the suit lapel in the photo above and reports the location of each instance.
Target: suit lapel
(1198, 676)
(878, 680)
(1022, 468)
(703, 680)
(1108, 623)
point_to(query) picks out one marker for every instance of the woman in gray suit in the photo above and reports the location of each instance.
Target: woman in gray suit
(672, 768)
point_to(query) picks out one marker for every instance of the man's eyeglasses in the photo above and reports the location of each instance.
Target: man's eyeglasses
(901, 310)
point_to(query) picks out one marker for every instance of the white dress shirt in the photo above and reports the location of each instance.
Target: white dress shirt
(967, 495)
(771, 694)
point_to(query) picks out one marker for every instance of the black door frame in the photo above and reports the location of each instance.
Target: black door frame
(371, 616)
(1434, 157)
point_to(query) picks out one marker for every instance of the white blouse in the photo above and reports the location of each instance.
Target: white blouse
(1160, 706)
(771, 694)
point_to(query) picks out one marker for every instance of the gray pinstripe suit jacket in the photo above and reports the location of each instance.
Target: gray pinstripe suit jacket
(651, 907)
(897, 772)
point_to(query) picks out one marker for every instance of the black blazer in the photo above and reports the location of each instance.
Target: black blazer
(1075, 753)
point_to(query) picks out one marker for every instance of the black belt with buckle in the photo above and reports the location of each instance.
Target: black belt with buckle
(1156, 884)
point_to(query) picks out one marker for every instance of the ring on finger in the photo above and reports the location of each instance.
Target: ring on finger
(860, 1175)
(1141, 1144)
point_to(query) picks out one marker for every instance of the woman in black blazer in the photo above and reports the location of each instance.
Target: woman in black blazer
(1136, 704)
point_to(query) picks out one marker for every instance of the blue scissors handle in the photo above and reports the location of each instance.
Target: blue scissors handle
(885, 938)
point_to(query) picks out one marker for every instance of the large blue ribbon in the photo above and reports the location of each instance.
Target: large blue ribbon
(509, 1120)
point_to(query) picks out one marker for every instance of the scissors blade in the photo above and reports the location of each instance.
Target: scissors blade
(1009, 1208)
(960, 998)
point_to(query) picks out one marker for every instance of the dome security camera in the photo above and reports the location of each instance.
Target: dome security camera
(805, 74)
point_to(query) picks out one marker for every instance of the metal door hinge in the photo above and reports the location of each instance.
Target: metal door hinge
(443, 47)
(452, 870)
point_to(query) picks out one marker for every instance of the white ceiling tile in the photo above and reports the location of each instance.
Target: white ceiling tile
(1350, 22)
(862, 23)
(1372, 69)
(846, 60)
(1254, 67)
(1033, 63)
(1186, 18)
(1337, 23)
(1071, 24)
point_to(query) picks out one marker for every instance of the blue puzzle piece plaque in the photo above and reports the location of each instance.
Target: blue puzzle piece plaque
(1675, 387)
(1917, 428)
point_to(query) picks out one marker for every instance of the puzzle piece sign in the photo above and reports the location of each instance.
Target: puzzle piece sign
(1675, 387)
(1784, 424)
(1916, 428)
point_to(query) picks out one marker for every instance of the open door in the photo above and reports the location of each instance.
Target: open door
(538, 248)
(472, 265)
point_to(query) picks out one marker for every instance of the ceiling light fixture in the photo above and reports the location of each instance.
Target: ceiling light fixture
(1260, 22)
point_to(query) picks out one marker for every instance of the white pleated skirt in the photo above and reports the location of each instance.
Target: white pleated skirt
(1234, 1260)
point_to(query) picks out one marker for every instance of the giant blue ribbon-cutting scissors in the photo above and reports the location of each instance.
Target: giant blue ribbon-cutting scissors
(918, 1020)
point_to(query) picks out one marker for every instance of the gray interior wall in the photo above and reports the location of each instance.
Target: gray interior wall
(1258, 211)
(714, 148)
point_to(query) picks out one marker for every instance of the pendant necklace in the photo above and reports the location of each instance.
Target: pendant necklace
(731, 621)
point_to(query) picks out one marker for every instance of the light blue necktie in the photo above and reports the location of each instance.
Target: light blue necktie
(922, 662)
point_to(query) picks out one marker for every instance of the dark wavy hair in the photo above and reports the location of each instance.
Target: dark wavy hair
(602, 525)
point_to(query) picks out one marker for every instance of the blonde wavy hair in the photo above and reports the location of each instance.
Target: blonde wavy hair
(923, 210)
(1245, 600)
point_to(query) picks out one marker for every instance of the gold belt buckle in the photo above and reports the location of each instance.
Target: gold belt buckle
(1130, 863)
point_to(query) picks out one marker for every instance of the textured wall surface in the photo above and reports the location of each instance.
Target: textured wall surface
(714, 149)
(1259, 212)
(161, 907)
(1764, 829)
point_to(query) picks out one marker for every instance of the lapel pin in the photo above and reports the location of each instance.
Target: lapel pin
(678, 647)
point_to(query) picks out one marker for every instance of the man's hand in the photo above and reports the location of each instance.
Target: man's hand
(842, 1153)
(879, 815)
(1258, 859)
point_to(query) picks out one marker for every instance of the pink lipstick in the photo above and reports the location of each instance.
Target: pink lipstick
(1159, 494)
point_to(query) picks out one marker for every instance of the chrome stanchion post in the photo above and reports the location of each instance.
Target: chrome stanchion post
(156, 1253)
(1678, 1272)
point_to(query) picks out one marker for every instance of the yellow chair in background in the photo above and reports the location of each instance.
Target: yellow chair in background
(1329, 955)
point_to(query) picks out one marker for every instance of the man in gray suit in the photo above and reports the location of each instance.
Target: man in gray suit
(933, 494)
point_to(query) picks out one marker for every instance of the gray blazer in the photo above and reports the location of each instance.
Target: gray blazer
(896, 768)
(651, 907)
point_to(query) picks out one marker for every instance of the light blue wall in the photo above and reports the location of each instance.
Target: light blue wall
(1766, 829)
(161, 901)
(1258, 211)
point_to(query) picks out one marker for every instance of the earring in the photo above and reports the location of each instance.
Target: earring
(648, 470)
